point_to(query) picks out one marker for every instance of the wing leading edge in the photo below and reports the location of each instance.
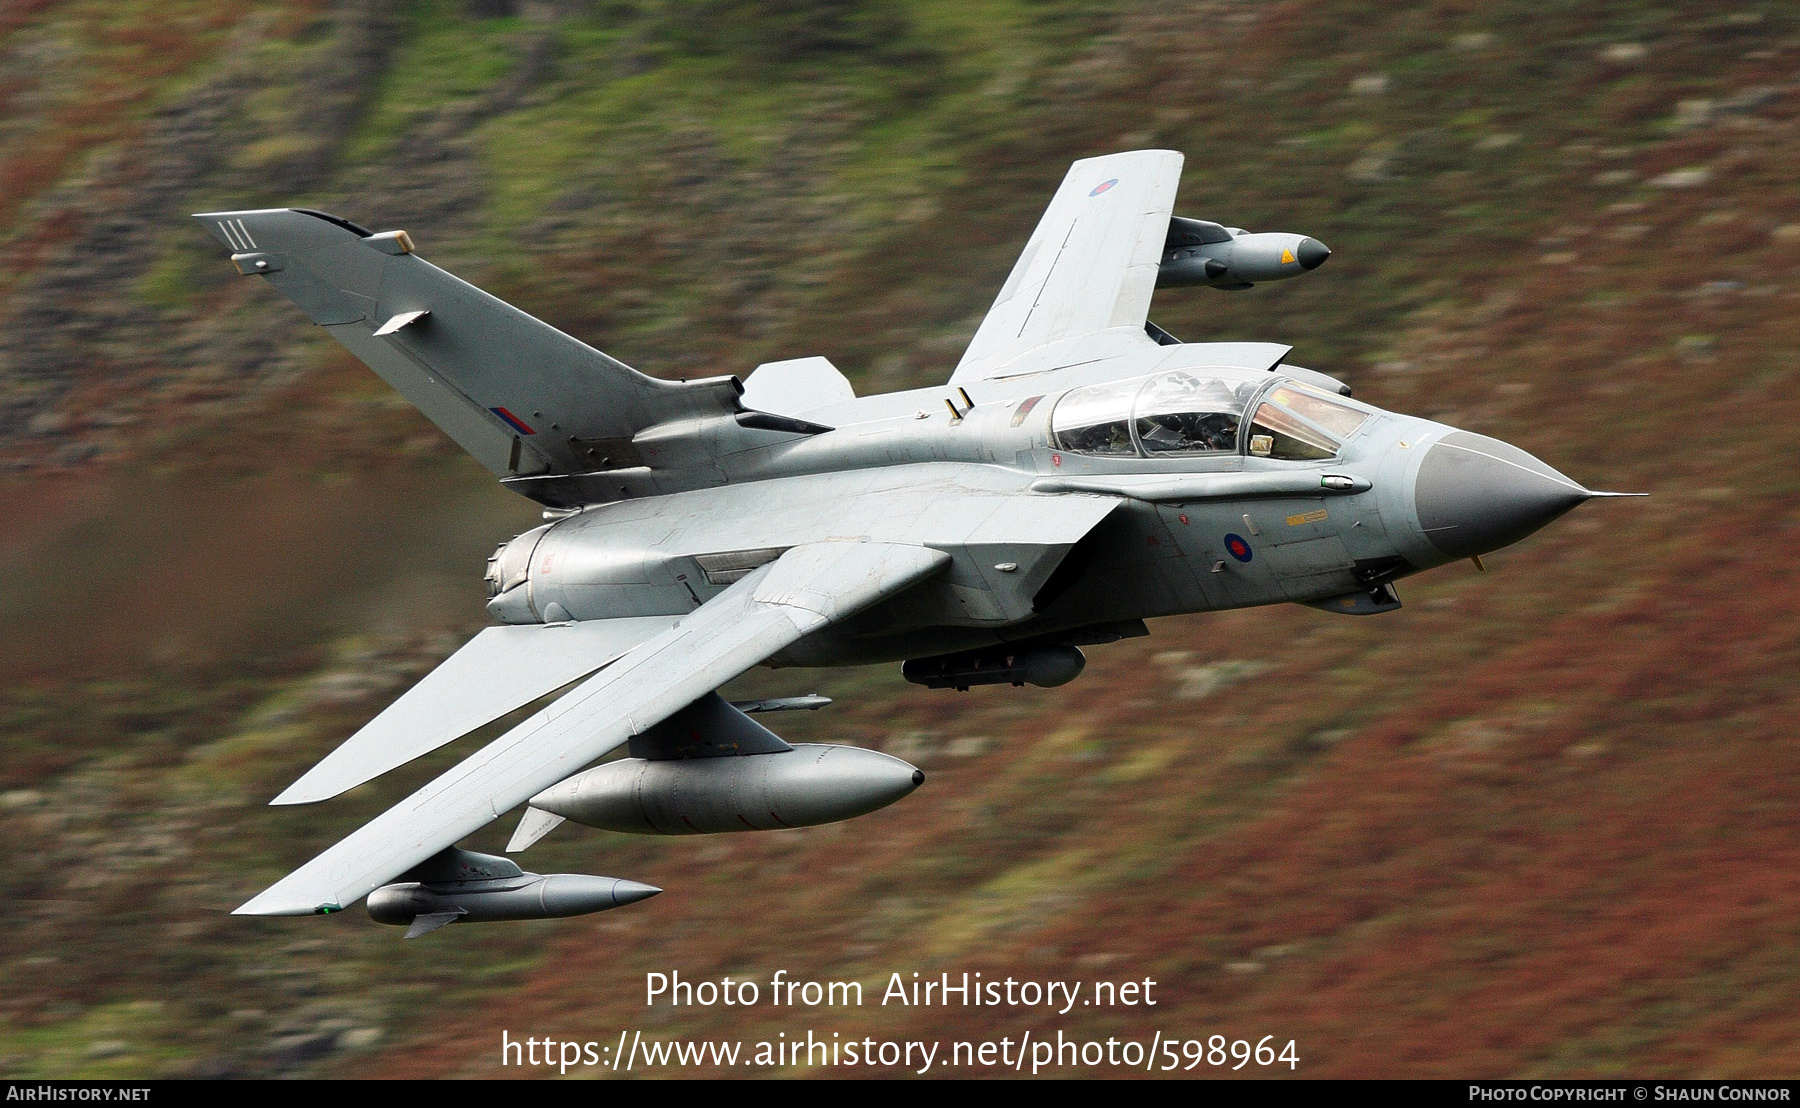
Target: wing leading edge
(805, 589)
(500, 669)
(1081, 289)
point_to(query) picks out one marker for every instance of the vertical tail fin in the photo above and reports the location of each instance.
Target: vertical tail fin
(520, 396)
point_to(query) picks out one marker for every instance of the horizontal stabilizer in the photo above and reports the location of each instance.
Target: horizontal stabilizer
(501, 669)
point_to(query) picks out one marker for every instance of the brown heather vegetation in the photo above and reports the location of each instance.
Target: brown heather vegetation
(1541, 822)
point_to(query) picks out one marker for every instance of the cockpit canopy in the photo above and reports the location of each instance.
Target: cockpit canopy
(1185, 412)
(1298, 423)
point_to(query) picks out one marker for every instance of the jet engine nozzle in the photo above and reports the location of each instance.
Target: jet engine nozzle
(1474, 494)
(508, 567)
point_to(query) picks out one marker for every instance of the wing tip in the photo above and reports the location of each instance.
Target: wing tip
(1121, 155)
(293, 794)
(268, 903)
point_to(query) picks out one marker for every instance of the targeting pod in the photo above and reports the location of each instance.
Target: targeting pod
(1198, 252)
(460, 886)
(1043, 666)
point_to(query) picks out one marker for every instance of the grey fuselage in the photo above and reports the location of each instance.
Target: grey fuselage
(1046, 541)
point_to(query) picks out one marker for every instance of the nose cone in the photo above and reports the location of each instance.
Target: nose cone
(1475, 494)
(577, 894)
(630, 892)
(1311, 253)
(857, 781)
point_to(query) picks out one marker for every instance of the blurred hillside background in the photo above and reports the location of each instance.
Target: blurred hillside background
(1541, 822)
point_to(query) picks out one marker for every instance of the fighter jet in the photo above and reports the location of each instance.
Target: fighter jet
(1080, 472)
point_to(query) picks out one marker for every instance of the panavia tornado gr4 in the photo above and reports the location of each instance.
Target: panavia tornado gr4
(1080, 472)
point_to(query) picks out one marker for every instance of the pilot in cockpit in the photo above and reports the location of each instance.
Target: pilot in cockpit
(1188, 432)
